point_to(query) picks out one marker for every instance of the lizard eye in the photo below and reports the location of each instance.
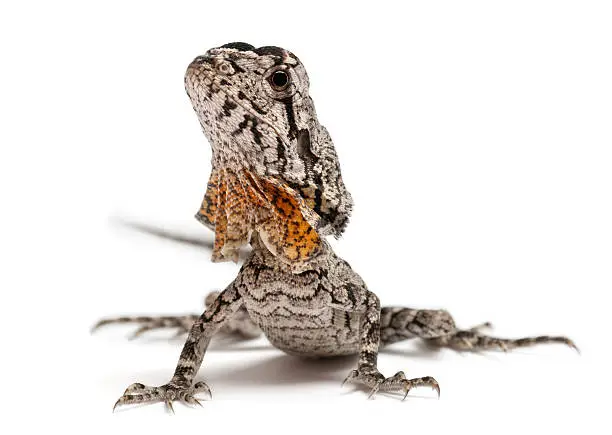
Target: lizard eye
(279, 80)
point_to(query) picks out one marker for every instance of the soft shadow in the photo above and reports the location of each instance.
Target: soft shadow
(420, 349)
(277, 370)
(231, 342)
(286, 369)
(161, 233)
(131, 406)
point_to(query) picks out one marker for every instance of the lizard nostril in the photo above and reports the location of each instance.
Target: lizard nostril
(202, 59)
(225, 68)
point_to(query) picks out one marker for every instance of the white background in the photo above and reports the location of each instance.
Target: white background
(475, 137)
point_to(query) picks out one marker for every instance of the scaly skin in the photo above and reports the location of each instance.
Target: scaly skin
(276, 185)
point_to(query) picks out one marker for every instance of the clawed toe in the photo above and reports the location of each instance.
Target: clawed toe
(138, 393)
(397, 382)
(352, 375)
(426, 381)
(472, 340)
(202, 387)
(145, 324)
(571, 344)
(136, 388)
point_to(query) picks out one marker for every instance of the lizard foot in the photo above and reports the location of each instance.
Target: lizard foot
(472, 339)
(182, 324)
(139, 393)
(398, 382)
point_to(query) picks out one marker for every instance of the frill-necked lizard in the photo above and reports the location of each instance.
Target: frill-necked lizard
(276, 185)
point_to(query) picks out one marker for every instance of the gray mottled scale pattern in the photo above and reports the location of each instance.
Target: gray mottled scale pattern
(322, 309)
(273, 132)
(314, 313)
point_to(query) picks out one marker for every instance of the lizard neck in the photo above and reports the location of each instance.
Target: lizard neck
(263, 255)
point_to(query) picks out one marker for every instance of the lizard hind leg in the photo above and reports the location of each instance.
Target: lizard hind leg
(437, 327)
(473, 340)
(240, 324)
(181, 324)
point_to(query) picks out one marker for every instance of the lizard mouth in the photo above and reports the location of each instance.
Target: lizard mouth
(202, 82)
(199, 81)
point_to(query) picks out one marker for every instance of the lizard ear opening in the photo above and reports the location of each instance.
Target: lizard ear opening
(303, 147)
(235, 204)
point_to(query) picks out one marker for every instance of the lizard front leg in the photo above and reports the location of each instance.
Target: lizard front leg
(367, 370)
(181, 386)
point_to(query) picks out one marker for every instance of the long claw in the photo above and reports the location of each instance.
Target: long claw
(467, 343)
(352, 375)
(406, 395)
(139, 332)
(169, 406)
(436, 388)
(374, 391)
(571, 344)
(95, 327)
(202, 387)
(194, 401)
(426, 381)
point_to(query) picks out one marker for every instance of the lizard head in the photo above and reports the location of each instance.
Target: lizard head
(254, 108)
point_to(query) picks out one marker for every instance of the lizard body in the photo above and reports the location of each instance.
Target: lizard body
(276, 185)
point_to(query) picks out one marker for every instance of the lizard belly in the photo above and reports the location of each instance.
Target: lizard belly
(329, 332)
(314, 313)
(299, 319)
